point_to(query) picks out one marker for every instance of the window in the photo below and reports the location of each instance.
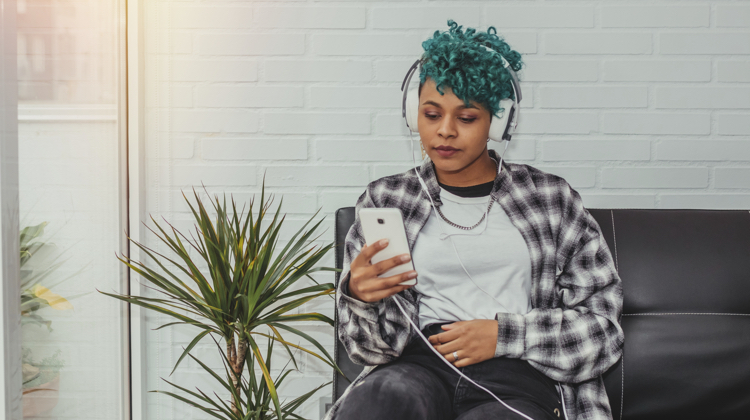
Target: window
(71, 172)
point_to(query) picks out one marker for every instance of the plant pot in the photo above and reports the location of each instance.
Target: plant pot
(42, 398)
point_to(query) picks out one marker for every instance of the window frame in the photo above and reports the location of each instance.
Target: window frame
(130, 119)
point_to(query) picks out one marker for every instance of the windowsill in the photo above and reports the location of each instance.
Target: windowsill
(67, 112)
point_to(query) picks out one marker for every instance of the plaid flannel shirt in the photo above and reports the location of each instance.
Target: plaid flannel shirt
(573, 332)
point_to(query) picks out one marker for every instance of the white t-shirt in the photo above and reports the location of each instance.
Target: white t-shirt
(494, 253)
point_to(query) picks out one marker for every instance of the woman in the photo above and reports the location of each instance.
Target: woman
(537, 317)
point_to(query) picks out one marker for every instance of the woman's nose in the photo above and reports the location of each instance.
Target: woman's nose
(447, 127)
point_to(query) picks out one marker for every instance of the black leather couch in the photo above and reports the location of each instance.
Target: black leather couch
(686, 316)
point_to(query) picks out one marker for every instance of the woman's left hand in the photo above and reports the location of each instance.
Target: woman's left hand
(473, 341)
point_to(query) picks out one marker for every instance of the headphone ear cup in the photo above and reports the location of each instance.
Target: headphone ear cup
(499, 125)
(412, 109)
(511, 126)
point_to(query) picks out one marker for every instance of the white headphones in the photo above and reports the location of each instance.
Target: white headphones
(500, 128)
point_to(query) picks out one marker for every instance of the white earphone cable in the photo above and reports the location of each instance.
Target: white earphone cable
(453, 367)
(416, 328)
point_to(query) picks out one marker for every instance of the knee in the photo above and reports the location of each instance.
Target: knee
(390, 396)
(383, 389)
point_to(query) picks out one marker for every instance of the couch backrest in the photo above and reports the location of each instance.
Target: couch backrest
(686, 316)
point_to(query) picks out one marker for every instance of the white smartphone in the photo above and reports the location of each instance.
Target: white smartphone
(387, 223)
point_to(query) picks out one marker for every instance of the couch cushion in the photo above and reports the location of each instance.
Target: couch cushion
(686, 284)
(682, 260)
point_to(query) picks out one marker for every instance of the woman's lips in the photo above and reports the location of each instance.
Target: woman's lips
(446, 153)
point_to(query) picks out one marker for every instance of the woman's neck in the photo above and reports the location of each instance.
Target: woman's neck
(482, 170)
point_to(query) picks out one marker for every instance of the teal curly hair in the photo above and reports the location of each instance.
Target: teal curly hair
(456, 59)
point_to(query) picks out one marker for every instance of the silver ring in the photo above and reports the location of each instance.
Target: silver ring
(455, 356)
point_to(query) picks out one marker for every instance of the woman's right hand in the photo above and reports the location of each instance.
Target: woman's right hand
(364, 283)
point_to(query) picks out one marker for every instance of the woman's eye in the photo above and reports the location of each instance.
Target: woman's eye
(433, 116)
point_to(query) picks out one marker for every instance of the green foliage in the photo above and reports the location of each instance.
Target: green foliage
(34, 296)
(245, 293)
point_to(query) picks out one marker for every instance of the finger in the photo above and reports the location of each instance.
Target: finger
(386, 265)
(448, 327)
(382, 294)
(361, 258)
(397, 279)
(373, 249)
(448, 348)
(463, 362)
(434, 340)
(448, 336)
(376, 284)
(449, 357)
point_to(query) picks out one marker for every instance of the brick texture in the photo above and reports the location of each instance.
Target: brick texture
(637, 105)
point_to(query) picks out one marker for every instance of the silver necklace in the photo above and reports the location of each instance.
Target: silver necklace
(480, 220)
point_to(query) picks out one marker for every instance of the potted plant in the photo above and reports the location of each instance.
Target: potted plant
(248, 292)
(41, 382)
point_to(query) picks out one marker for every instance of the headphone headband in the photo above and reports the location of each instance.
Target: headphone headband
(514, 79)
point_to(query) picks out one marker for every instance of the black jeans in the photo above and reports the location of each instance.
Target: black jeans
(418, 385)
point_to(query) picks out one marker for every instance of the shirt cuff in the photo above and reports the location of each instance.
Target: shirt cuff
(511, 335)
(367, 310)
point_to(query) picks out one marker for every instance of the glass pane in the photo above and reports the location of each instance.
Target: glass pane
(70, 199)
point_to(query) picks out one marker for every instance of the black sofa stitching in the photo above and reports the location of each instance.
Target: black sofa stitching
(614, 239)
(685, 313)
(622, 384)
(622, 356)
(335, 314)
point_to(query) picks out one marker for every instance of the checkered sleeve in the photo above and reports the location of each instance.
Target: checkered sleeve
(373, 333)
(582, 337)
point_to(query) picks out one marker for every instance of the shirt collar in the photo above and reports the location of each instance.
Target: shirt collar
(502, 180)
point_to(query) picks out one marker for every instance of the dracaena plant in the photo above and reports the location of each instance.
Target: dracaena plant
(246, 292)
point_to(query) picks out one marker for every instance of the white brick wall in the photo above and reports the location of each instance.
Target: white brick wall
(636, 104)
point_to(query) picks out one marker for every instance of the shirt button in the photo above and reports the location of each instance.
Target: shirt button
(556, 411)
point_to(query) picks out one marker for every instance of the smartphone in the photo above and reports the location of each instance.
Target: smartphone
(387, 223)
